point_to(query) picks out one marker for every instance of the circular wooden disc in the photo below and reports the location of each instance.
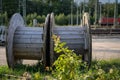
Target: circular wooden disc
(16, 21)
(52, 25)
(88, 54)
(45, 41)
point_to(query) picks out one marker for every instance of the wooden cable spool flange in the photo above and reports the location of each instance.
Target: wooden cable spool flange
(46, 48)
(25, 42)
(88, 38)
(15, 22)
(77, 39)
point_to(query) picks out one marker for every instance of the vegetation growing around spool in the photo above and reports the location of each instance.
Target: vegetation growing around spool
(68, 66)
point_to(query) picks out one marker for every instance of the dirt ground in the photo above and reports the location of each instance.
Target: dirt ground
(103, 47)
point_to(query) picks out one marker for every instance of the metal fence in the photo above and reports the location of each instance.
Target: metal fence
(2, 35)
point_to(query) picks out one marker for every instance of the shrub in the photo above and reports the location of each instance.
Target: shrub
(67, 66)
(61, 19)
(40, 19)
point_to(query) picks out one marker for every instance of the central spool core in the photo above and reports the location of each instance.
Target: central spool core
(28, 43)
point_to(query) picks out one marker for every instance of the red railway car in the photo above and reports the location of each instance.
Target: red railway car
(108, 21)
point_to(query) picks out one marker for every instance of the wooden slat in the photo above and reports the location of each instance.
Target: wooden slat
(77, 30)
(27, 36)
(23, 41)
(77, 51)
(30, 29)
(28, 55)
(73, 41)
(69, 32)
(31, 50)
(28, 45)
(70, 36)
(77, 46)
(28, 32)
(69, 28)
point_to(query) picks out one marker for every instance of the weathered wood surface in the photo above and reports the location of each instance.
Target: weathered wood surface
(87, 56)
(45, 41)
(52, 25)
(15, 22)
(73, 36)
(23, 42)
(30, 55)
(28, 40)
(77, 38)
(27, 36)
(37, 43)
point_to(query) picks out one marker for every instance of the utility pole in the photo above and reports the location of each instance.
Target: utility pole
(96, 12)
(1, 20)
(71, 13)
(24, 10)
(84, 6)
(77, 16)
(77, 4)
(100, 11)
(20, 4)
(108, 12)
(115, 13)
(80, 13)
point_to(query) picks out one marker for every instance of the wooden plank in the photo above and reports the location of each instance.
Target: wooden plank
(77, 51)
(73, 41)
(28, 45)
(28, 32)
(28, 55)
(30, 29)
(45, 38)
(31, 41)
(27, 36)
(31, 50)
(69, 28)
(76, 46)
(69, 32)
(67, 36)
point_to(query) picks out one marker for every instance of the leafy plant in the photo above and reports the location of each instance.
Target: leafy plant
(68, 64)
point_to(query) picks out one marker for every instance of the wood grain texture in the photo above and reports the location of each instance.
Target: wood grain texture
(15, 22)
(45, 39)
(28, 40)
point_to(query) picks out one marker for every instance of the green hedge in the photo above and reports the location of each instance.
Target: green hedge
(60, 19)
(3, 19)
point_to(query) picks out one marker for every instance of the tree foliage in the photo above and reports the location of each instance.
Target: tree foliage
(43, 7)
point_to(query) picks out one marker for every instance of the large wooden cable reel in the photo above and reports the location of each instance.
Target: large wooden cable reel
(24, 42)
(77, 38)
(36, 43)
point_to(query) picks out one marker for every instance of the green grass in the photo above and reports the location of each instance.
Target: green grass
(20, 69)
(108, 64)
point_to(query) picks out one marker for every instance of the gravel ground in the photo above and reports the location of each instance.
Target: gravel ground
(103, 48)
